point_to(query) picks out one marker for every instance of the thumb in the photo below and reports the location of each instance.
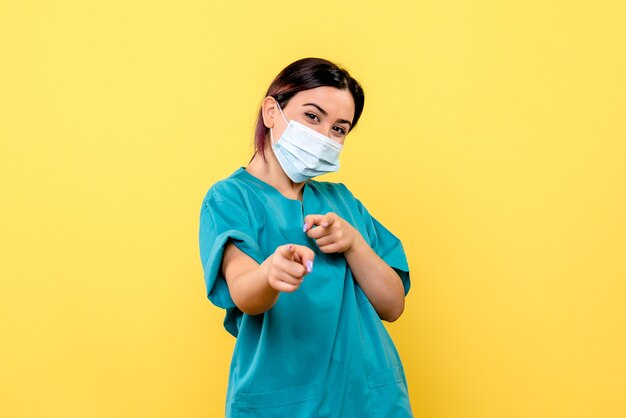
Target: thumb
(307, 256)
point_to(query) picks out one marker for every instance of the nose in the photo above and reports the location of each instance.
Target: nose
(325, 129)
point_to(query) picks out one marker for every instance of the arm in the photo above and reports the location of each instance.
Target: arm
(379, 281)
(382, 285)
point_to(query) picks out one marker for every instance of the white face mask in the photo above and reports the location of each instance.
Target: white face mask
(304, 153)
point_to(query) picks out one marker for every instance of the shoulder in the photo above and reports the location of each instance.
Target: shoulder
(228, 191)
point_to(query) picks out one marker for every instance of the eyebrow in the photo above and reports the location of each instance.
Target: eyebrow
(325, 113)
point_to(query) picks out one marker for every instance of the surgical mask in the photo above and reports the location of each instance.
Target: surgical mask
(304, 153)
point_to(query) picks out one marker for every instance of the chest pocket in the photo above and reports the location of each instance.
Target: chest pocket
(295, 402)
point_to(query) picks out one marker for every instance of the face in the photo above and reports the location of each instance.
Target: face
(327, 110)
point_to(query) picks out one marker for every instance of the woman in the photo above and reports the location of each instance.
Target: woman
(302, 269)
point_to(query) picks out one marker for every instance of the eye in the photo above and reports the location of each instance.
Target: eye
(339, 130)
(312, 116)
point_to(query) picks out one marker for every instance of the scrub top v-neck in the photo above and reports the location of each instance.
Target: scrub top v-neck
(321, 351)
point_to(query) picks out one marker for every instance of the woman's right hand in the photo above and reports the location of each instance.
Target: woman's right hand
(288, 266)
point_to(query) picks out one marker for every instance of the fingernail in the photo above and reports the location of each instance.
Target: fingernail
(290, 247)
(304, 228)
(309, 266)
(325, 224)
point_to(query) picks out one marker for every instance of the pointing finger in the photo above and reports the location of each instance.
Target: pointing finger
(287, 251)
(311, 220)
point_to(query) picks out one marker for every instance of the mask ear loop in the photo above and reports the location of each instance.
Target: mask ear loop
(281, 112)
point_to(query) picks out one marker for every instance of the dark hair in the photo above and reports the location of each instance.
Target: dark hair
(306, 74)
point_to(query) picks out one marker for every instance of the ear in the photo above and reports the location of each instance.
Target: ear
(269, 110)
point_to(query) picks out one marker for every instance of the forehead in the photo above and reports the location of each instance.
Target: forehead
(337, 102)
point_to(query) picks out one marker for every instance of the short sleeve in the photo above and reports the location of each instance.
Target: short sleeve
(222, 221)
(386, 245)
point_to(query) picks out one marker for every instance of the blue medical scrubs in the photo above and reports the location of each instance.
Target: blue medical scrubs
(321, 351)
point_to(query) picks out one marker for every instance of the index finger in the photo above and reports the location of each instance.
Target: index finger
(287, 251)
(311, 220)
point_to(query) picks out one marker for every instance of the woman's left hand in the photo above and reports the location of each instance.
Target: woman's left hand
(332, 233)
(381, 283)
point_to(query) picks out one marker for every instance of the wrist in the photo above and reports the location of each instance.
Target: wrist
(358, 243)
(265, 269)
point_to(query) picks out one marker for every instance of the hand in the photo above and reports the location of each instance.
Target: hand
(288, 265)
(332, 233)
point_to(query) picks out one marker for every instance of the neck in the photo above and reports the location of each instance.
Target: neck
(270, 171)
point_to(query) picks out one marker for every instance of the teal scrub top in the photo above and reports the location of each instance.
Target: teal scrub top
(321, 351)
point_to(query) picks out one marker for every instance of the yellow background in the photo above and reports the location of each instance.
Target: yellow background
(492, 144)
